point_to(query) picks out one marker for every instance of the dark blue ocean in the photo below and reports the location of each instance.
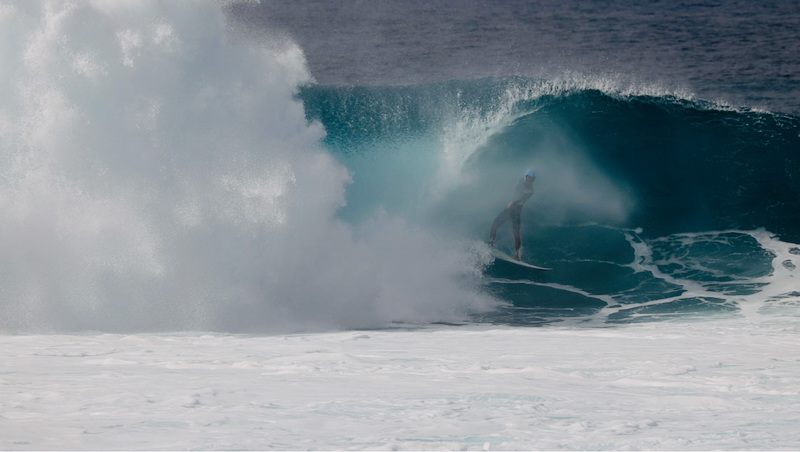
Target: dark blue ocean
(742, 54)
(665, 137)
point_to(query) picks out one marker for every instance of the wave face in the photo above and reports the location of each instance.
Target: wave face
(647, 203)
(158, 174)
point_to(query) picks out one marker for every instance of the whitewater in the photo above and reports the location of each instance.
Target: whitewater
(202, 246)
(715, 384)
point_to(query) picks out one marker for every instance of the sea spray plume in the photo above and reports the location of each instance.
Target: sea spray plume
(572, 188)
(437, 140)
(473, 154)
(468, 125)
(157, 174)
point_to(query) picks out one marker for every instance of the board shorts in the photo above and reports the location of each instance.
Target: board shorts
(513, 214)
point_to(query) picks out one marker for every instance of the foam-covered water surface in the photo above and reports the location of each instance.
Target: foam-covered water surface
(679, 276)
(727, 383)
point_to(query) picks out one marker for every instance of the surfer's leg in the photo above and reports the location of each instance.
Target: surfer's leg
(501, 218)
(516, 221)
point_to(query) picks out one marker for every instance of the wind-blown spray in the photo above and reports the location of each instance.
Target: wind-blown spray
(158, 174)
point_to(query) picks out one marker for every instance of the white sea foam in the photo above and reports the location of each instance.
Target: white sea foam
(158, 174)
(703, 274)
(730, 383)
(726, 273)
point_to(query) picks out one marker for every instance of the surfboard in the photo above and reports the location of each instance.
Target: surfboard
(503, 256)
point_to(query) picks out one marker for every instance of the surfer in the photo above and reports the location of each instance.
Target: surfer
(513, 211)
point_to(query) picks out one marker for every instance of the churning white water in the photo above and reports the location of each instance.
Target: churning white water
(157, 174)
(723, 384)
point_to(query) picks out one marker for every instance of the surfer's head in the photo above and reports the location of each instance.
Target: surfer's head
(530, 175)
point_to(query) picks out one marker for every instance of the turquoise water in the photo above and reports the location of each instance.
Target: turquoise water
(624, 179)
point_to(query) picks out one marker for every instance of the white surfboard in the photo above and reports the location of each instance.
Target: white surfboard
(503, 256)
